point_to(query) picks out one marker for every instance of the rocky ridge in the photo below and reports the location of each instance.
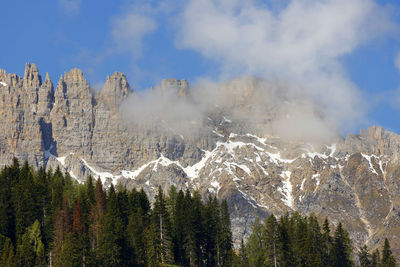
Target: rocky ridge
(353, 179)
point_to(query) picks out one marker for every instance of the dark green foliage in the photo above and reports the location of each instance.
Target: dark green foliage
(256, 247)
(299, 241)
(25, 200)
(6, 252)
(111, 236)
(31, 250)
(376, 259)
(243, 259)
(364, 257)
(48, 219)
(387, 257)
(341, 249)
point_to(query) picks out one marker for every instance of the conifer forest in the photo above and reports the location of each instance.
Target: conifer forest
(48, 219)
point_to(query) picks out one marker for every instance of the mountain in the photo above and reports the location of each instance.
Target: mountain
(354, 179)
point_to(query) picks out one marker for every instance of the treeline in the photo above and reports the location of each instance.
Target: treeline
(47, 219)
(301, 241)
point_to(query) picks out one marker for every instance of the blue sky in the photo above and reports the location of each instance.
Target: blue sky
(352, 58)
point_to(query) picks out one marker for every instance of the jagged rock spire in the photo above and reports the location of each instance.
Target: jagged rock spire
(47, 82)
(60, 89)
(179, 86)
(31, 76)
(74, 75)
(116, 89)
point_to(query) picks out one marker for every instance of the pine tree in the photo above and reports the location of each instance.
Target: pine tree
(31, 250)
(90, 190)
(257, 245)
(376, 258)
(77, 221)
(160, 231)
(341, 250)
(25, 201)
(71, 252)
(326, 244)
(364, 257)
(313, 249)
(7, 219)
(210, 221)
(111, 233)
(7, 258)
(301, 239)
(97, 211)
(136, 230)
(285, 229)
(43, 191)
(387, 258)
(57, 188)
(224, 242)
(179, 222)
(243, 259)
(62, 227)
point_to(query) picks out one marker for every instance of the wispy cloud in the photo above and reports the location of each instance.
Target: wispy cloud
(70, 6)
(129, 30)
(301, 42)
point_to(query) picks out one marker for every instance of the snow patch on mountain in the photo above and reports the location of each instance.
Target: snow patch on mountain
(102, 175)
(371, 167)
(286, 189)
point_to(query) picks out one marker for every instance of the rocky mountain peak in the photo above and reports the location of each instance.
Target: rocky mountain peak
(61, 88)
(45, 97)
(74, 75)
(3, 75)
(116, 89)
(181, 87)
(31, 76)
(11, 79)
(258, 172)
(47, 81)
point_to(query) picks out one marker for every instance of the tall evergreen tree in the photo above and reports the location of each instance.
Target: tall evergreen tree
(7, 219)
(111, 233)
(160, 247)
(257, 247)
(224, 236)
(62, 227)
(97, 211)
(25, 201)
(31, 251)
(341, 250)
(313, 249)
(285, 228)
(179, 222)
(243, 259)
(326, 245)
(364, 257)
(387, 258)
(376, 258)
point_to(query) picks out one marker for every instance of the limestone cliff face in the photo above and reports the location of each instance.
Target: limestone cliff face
(23, 103)
(72, 115)
(355, 179)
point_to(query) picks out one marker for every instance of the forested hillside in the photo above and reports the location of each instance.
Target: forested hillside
(300, 241)
(48, 219)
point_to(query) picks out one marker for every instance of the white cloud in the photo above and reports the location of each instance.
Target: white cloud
(129, 30)
(70, 6)
(301, 42)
